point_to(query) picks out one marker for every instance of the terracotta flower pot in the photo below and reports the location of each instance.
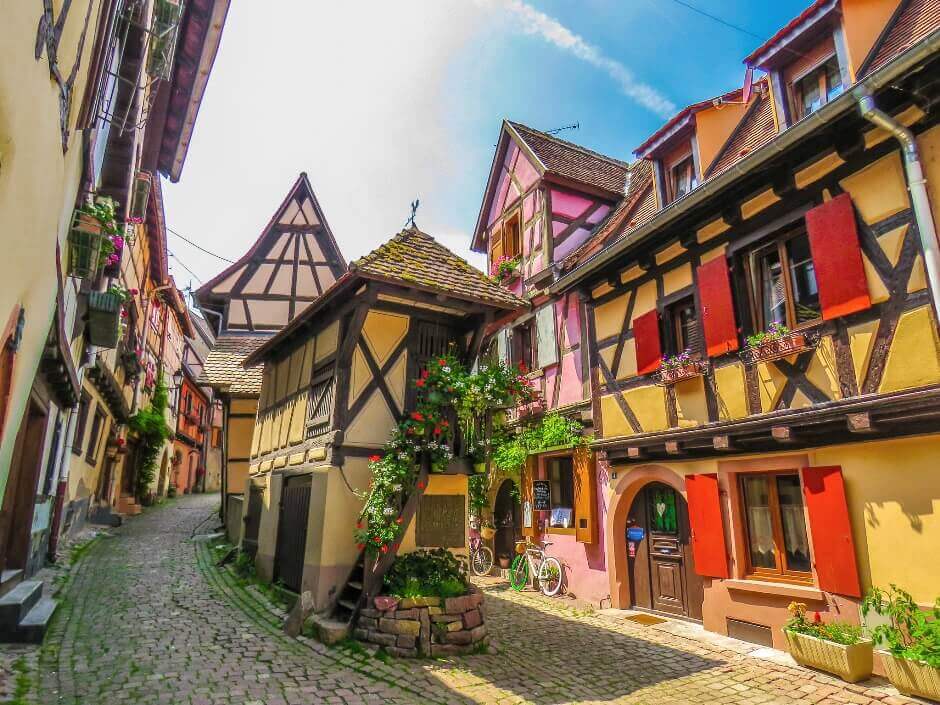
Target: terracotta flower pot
(850, 662)
(385, 603)
(912, 677)
(504, 562)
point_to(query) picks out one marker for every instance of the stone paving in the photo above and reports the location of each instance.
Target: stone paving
(147, 619)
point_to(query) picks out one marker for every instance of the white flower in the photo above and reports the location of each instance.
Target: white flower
(388, 511)
(397, 488)
(445, 370)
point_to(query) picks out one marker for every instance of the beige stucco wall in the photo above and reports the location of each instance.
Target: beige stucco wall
(38, 184)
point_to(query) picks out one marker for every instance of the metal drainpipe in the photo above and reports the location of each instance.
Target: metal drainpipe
(917, 185)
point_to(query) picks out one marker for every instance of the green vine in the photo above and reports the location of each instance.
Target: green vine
(444, 385)
(152, 431)
(554, 430)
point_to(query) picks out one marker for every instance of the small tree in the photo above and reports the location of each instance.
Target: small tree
(151, 428)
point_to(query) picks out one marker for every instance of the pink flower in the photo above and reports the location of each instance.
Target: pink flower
(134, 292)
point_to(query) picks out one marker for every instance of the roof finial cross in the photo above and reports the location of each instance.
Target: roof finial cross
(410, 221)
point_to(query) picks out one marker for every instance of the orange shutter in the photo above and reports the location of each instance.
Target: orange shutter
(646, 337)
(496, 245)
(718, 322)
(833, 547)
(585, 496)
(708, 533)
(528, 473)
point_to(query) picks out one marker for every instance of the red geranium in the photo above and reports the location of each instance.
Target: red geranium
(417, 416)
(425, 374)
(358, 524)
(419, 383)
(420, 485)
(384, 548)
(360, 546)
(399, 520)
(374, 458)
(522, 368)
(817, 618)
(442, 362)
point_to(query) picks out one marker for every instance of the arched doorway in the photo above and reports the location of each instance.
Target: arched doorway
(507, 518)
(659, 553)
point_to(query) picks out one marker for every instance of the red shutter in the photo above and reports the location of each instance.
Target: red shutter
(837, 258)
(646, 337)
(708, 531)
(718, 324)
(833, 547)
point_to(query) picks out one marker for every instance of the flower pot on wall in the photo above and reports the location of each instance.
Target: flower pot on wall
(912, 677)
(104, 319)
(851, 662)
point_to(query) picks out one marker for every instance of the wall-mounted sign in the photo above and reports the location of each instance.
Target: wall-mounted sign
(542, 495)
(636, 533)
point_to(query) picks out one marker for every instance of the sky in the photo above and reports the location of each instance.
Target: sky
(385, 102)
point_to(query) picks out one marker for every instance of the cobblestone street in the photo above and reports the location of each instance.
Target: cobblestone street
(147, 620)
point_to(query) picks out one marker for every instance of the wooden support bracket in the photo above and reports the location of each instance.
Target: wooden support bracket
(673, 448)
(723, 443)
(783, 434)
(860, 423)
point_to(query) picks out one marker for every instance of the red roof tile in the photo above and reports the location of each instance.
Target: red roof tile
(756, 129)
(917, 20)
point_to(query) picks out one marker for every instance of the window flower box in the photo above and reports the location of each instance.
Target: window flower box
(104, 318)
(675, 370)
(86, 240)
(912, 677)
(774, 348)
(852, 662)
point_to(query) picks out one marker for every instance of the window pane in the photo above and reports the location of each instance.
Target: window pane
(682, 179)
(774, 289)
(803, 280)
(561, 492)
(663, 510)
(833, 80)
(759, 524)
(795, 542)
(809, 93)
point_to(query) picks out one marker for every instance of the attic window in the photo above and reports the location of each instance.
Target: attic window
(682, 179)
(818, 87)
(506, 241)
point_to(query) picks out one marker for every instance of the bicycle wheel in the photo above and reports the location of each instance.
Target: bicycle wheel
(519, 573)
(482, 561)
(550, 576)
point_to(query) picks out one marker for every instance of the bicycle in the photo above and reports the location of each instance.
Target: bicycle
(532, 559)
(481, 557)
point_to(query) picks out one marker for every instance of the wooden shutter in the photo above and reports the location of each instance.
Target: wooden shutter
(708, 532)
(646, 337)
(837, 258)
(496, 245)
(527, 474)
(833, 547)
(585, 496)
(718, 322)
(547, 345)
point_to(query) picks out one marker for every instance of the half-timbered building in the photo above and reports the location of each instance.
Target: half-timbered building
(336, 381)
(763, 338)
(293, 261)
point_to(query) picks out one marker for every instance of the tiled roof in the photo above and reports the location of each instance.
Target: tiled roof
(223, 367)
(574, 162)
(917, 20)
(415, 258)
(755, 130)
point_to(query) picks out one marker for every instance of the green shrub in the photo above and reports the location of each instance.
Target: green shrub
(152, 431)
(912, 633)
(436, 573)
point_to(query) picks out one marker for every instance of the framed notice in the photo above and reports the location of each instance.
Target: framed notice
(542, 495)
(440, 521)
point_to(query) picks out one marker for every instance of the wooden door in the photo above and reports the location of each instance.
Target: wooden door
(19, 500)
(292, 531)
(507, 518)
(661, 571)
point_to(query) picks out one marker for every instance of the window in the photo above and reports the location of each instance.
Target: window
(561, 492)
(520, 348)
(777, 543)
(682, 178)
(682, 329)
(506, 241)
(84, 406)
(783, 285)
(95, 437)
(818, 87)
(216, 437)
(320, 404)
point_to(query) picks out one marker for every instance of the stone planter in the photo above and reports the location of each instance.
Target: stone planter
(851, 663)
(912, 677)
(426, 626)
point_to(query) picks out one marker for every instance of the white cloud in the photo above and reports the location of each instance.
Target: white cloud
(551, 30)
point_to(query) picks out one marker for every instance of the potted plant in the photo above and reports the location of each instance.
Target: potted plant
(834, 647)
(676, 368)
(105, 309)
(504, 269)
(912, 637)
(776, 342)
(504, 561)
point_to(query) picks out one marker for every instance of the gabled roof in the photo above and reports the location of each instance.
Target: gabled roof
(756, 129)
(766, 53)
(223, 368)
(572, 161)
(915, 20)
(680, 120)
(414, 258)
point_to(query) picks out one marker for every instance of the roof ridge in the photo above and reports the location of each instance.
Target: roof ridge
(572, 145)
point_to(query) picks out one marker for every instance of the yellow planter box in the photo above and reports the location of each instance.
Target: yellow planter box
(851, 663)
(912, 677)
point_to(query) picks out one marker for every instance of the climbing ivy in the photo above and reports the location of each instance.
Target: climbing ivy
(149, 424)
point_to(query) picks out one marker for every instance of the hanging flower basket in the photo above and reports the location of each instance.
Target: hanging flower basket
(776, 348)
(85, 244)
(104, 318)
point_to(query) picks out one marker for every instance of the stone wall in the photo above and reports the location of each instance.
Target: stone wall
(427, 626)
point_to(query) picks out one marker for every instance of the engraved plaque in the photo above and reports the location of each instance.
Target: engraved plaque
(440, 521)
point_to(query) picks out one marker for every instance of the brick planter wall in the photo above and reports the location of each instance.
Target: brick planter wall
(427, 626)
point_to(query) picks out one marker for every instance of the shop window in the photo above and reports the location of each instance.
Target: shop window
(95, 437)
(84, 407)
(777, 541)
(561, 479)
(783, 287)
(818, 87)
(682, 327)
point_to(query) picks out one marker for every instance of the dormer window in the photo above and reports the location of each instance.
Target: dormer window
(682, 179)
(818, 87)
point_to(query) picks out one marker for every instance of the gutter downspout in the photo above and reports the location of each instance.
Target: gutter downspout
(917, 186)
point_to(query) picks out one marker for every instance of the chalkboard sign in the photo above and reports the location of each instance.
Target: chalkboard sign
(440, 521)
(541, 495)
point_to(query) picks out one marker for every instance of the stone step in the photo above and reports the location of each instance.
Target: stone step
(9, 579)
(32, 628)
(355, 585)
(16, 603)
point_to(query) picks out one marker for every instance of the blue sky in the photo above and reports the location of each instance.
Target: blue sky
(408, 104)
